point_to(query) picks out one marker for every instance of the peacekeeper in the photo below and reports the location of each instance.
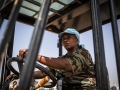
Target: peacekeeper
(76, 67)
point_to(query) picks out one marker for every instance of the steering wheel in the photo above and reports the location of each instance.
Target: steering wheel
(40, 67)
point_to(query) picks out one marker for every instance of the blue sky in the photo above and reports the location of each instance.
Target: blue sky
(49, 48)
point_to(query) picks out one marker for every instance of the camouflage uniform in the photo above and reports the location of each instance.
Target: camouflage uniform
(82, 76)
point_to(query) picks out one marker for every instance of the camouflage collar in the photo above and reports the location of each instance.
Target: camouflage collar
(66, 55)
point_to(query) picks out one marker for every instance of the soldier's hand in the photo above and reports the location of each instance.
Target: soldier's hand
(22, 53)
(11, 76)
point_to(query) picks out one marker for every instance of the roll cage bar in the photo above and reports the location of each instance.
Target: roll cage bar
(9, 9)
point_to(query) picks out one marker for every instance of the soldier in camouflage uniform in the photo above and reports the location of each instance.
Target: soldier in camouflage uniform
(82, 76)
(75, 67)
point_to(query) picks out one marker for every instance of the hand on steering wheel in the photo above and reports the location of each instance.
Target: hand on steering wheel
(22, 53)
(11, 76)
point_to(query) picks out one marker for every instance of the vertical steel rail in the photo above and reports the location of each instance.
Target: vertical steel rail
(98, 46)
(60, 47)
(115, 35)
(2, 64)
(2, 3)
(2, 72)
(1, 19)
(9, 28)
(1, 16)
(28, 69)
(9, 55)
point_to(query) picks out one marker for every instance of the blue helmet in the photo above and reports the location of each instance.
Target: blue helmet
(70, 31)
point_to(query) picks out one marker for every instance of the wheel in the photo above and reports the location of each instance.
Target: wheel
(40, 67)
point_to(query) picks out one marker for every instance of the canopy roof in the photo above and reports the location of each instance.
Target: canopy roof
(62, 14)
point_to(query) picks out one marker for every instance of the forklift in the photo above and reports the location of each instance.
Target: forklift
(55, 16)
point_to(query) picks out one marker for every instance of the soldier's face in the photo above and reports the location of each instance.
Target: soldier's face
(69, 41)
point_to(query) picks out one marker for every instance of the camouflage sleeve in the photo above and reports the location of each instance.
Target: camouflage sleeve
(77, 62)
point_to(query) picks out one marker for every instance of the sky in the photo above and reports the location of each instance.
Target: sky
(23, 34)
